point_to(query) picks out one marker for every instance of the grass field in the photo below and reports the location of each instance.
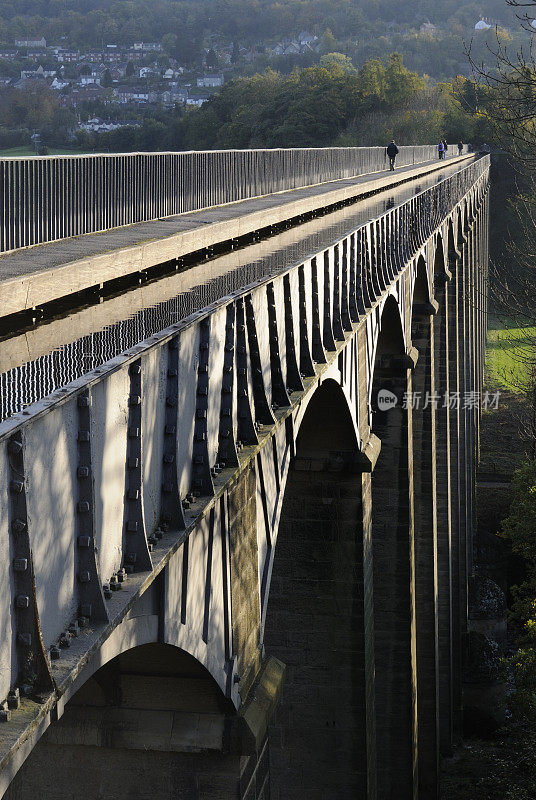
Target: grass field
(21, 152)
(507, 352)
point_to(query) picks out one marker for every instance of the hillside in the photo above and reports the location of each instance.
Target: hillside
(430, 33)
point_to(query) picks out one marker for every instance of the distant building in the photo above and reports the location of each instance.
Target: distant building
(210, 81)
(197, 99)
(134, 94)
(482, 25)
(31, 43)
(97, 125)
(66, 56)
(83, 94)
(428, 28)
(148, 47)
(174, 97)
(58, 84)
(36, 74)
(149, 72)
(307, 38)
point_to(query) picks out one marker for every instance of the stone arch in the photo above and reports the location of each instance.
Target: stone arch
(390, 337)
(452, 250)
(150, 722)
(440, 257)
(421, 285)
(314, 621)
(392, 555)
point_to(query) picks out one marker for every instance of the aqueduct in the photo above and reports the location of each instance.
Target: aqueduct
(237, 555)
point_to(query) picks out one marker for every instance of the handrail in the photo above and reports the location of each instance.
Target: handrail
(47, 198)
(403, 230)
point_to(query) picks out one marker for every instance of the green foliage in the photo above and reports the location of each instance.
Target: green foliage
(35, 108)
(338, 64)
(520, 528)
(107, 81)
(328, 104)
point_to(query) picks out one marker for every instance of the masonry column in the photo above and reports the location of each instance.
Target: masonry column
(456, 471)
(464, 448)
(445, 536)
(368, 564)
(394, 582)
(315, 620)
(426, 555)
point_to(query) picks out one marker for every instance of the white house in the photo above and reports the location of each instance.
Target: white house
(482, 26)
(210, 81)
(87, 80)
(148, 47)
(31, 43)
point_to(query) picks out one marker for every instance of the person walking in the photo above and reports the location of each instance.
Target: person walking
(445, 148)
(392, 152)
(460, 147)
(441, 150)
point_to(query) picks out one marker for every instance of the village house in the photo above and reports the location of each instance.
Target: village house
(66, 55)
(174, 97)
(148, 47)
(41, 43)
(197, 99)
(210, 81)
(134, 94)
(83, 94)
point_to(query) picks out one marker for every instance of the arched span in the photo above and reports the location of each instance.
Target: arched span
(452, 250)
(389, 342)
(440, 257)
(327, 436)
(460, 226)
(150, 722)
(143, 630)
(327, 425)
(421, 285)
(314, 620)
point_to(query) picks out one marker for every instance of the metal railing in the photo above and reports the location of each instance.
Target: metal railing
(44, 199)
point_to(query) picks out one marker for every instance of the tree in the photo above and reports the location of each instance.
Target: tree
(235, 53)
(130, 70)
(107, 81)
(169, 43)
(329, 44)
(510, 89)
(211, 59)
(338, 64)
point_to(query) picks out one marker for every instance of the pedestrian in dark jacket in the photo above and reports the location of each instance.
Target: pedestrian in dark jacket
(445, 148)
(460, 147)
(392, 152)
(441, 150)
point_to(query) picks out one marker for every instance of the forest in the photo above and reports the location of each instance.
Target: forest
(88, 22)
(362, 29)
